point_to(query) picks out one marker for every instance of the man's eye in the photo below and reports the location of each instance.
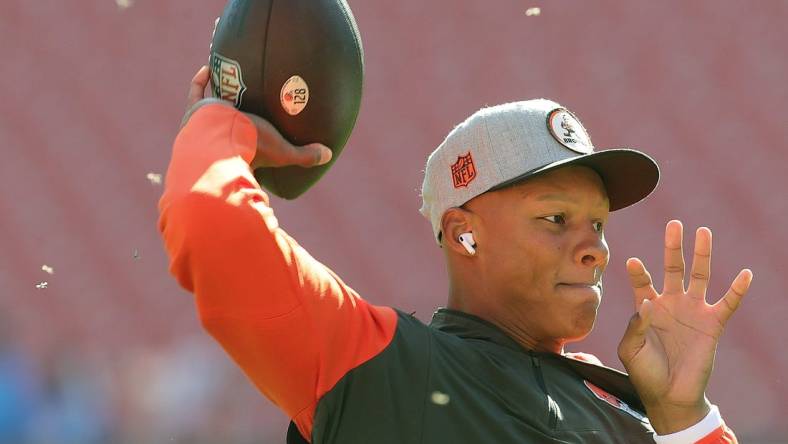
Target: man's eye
(556, 219)
(598, 226)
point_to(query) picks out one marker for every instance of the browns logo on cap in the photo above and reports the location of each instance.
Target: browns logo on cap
(568, 131)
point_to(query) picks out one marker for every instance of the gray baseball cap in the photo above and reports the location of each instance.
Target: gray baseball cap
(504, 144)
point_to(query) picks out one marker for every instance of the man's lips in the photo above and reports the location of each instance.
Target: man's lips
(580, 284)
(595, 286)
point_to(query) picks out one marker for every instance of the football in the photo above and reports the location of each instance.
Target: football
(299, 65)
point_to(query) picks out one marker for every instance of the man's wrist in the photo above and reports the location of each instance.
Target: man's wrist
(697, 432)
(667, 419)
(206, 101)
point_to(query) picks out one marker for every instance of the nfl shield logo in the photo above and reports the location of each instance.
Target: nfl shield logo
(226, 79)
(463, 171)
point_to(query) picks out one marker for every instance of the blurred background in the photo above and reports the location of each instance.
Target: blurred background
(98, 344)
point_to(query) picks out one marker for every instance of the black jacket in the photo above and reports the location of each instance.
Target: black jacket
(462, 380)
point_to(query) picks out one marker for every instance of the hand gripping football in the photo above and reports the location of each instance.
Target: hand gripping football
(299, 65)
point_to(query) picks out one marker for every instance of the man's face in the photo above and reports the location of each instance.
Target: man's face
(542, 252)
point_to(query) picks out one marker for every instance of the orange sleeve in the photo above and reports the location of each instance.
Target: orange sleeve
(286, 319)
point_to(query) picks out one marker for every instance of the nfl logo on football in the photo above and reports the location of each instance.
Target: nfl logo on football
(226, 79)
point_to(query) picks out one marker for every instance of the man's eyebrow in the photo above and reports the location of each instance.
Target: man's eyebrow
(559, 197)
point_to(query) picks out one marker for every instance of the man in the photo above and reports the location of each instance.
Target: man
(518, 201)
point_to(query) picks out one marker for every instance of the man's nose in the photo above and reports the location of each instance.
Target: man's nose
(593, 251)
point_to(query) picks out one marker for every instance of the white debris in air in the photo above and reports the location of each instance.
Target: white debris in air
(533, 12)
(124, 4)
(41, 285)
(154, 178)
(48, 269)
(136, 254)
(439, 398)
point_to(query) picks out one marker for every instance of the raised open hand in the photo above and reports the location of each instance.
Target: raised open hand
(669, 346)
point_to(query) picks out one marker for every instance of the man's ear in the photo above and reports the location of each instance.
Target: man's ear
(454, 222)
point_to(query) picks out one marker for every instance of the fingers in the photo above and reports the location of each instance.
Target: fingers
(282, 154)
(674, 258)
(273, 150)
(640, 279)
(701, 264)
(310, 155)
(197, 86)
(726, 306)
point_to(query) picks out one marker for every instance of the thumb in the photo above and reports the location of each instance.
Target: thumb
(635, 336)
(311, 155)
(197, 86)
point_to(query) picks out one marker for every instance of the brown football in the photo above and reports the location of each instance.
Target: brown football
(298, 64)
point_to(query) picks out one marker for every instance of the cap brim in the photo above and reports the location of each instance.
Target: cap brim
(629, 175)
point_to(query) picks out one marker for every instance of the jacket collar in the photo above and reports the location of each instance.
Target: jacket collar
(468, 326)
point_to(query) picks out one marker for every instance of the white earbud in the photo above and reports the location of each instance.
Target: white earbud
(466, 239)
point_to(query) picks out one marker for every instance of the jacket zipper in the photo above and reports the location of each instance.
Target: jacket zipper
(552, 407)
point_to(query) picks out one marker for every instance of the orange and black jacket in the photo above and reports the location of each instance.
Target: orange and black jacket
(344, 370)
